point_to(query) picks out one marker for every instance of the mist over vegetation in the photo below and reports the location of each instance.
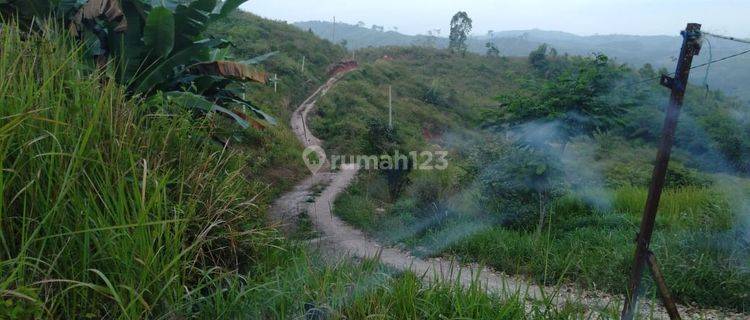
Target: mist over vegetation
(550, 159)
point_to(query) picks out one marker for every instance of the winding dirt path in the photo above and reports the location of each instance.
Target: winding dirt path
(339, 240)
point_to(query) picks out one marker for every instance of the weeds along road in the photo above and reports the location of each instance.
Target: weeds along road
(341, 241)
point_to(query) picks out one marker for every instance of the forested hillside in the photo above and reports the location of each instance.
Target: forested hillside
(549, 158)
(659, 51)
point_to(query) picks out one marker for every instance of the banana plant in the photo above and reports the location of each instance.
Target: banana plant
(159, 45)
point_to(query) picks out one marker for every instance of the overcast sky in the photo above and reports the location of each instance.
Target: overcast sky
(583, 17)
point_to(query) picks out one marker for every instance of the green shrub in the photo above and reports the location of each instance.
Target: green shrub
(357, 205)
(517, 183)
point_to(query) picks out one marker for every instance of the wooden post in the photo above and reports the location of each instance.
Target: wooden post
(390, 107)
(690, 47)
(661, 285)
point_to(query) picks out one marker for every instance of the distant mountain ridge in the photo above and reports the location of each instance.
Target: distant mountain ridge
(731, 76)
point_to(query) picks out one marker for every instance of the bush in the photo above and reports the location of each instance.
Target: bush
(516, 183)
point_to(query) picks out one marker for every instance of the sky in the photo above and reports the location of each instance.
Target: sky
(582, 17)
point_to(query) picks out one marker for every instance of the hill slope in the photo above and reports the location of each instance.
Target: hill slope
(730, 76)
(548, 165)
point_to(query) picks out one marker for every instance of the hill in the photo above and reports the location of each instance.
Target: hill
(660, 51)
(549, 161)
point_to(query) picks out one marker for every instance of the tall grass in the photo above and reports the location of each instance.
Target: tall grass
(704, 259)
(690, 206)
(296, 285)
(109, 208)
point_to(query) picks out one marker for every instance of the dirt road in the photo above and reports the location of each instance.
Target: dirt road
(342, 241)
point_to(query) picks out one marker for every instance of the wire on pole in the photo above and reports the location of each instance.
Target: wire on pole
(726, 37)
(722, 59)
(694, 67)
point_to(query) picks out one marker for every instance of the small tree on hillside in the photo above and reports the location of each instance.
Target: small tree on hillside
(516, 182)
(538, 58)
(647, 71)
(492, 50)
(431, 39)
(384, 140)
(461, 26)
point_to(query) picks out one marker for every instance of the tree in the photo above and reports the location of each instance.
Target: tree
(430, 40)
(461, 26)
(577, 98)
(440, 95)
(361, 24)
(647, 71)
(492, 50)
(515, 182)
(385, 140)
(538, 58)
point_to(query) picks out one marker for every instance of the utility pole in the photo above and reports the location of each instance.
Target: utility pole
(390, 107)
(333, 33)
(691, 46)
(275, 81)
(303, 64)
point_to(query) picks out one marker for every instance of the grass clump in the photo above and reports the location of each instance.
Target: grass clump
(692, 206)
(293, 284)
(110, 208)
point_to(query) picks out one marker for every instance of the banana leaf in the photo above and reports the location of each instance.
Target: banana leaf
(191, 21)
(94, 9)
(229, 69)
(163, 71)
(159, 32)
(194, 101)
(226, 8)
(259, 114)
(260, 59)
